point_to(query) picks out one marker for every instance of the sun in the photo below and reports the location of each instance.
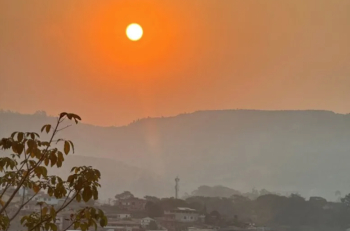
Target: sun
(134, 32)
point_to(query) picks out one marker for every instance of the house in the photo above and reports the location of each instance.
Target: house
(183, 214)
(31, 206)
(124, 225)
(200, 229)
(60, 222)
(263, 228)
(119, 215)
(146, 221)
(131, 204)
(63, 220)
(168, 221)
(43, 197)
(123, 215)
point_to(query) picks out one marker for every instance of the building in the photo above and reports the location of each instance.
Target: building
(200, 229)
(31, 206)
(168, 221)
(60, 221)
(183, 214)
(131, 204)
(124, 225)
(43, 197)
(201, 218)
(146, 221)
(119, 216)
(123, 215)
(64, 220)
(234, 228)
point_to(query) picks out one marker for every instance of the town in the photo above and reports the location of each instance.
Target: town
(129, 213)
(259, 211)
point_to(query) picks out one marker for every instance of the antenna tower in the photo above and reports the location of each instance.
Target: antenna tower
(177, 179)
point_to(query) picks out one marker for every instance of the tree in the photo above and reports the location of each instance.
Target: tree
(27, 169)
(317, 201)
(153, 209)
(213, 218)
(263, 192)
(124, 195)
(215, 214)
(346, 200)
(152, 225)
(269, 208)
(239, 199)
(172, 203)
(151, 198)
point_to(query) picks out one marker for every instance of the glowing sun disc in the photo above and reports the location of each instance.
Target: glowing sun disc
(134, 31)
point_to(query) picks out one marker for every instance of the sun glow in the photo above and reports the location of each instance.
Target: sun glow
(134, 32)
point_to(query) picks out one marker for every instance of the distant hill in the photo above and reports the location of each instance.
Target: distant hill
(116, 176)
(305, 151)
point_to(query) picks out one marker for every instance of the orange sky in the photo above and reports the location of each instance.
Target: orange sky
(195, 55)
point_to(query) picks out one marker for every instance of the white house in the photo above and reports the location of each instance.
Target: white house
(146, 221)
(183, 214)
(42, 197)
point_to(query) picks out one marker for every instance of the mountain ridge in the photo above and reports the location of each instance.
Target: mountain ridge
(284, 150)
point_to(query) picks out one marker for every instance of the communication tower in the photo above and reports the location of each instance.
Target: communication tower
(177, 179)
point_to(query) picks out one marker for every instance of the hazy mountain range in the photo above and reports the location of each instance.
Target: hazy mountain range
(282, 151)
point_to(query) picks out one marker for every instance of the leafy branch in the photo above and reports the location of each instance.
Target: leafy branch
(27, 169)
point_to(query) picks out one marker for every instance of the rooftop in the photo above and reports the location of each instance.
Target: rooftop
(185, 209)
(124, 222)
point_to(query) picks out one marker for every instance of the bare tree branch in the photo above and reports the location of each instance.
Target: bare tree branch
(67, 197)
(6, 187)
(59, 210)
(70, 224)
(20, 207)
(64, 128)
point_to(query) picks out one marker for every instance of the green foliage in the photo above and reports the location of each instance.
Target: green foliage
(27, 168)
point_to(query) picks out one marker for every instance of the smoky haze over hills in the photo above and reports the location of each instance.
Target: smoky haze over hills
(281, 151)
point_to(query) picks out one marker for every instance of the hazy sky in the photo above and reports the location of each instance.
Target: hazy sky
(195, 55)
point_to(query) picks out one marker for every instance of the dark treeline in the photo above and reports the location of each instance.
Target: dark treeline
(275, 210)
(291, 212)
